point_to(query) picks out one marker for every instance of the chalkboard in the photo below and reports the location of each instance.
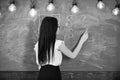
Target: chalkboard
(97, 54)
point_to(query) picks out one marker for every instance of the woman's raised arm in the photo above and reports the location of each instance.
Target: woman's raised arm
(63, 48)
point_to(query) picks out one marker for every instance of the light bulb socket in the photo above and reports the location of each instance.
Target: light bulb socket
(74, 3)
(51, 1)
(33, 6)
(117, 6)
(12, 2)
(100, 0)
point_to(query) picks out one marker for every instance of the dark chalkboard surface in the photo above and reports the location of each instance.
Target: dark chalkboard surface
(99, 52)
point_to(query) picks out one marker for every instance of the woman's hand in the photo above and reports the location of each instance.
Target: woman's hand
(84, 37)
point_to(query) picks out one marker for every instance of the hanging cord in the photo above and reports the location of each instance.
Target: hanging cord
(117, 4)
(33, 3)
(116, 1)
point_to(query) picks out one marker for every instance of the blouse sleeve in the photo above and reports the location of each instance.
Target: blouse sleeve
(36, 53)
(58, 43)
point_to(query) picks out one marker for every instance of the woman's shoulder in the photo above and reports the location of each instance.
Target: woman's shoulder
(58, 43)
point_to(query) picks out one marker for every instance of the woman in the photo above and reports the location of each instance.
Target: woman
(50, 50)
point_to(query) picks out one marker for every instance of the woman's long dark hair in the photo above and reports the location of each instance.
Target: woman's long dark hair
(47, 38)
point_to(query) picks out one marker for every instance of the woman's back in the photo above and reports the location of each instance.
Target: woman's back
(56, 60)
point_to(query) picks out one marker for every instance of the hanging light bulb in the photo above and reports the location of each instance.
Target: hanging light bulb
(33, 11)
(100, 4)
(12, 6)
(116, 10)
(75, 8)
(51, 6)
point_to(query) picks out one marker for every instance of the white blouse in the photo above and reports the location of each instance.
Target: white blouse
(57, 58)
